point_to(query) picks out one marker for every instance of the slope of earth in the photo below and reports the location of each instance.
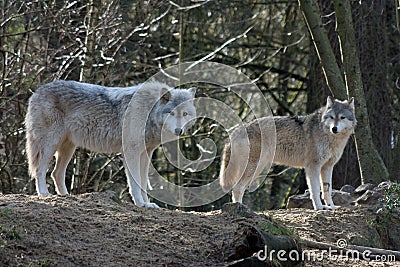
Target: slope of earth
(95, 230)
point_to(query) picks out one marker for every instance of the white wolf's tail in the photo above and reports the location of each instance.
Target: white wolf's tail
(33, 154)
(225, 178)
(33, 148)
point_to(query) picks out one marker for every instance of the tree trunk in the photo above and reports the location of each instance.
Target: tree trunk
(91, 21)
(323, 47)
(315, 84)
(370, 17)
(372, 167)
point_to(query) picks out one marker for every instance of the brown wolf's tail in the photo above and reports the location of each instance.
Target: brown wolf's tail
(224, 177)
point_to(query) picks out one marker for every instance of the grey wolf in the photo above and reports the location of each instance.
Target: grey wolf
(314, 142)
(63, 115)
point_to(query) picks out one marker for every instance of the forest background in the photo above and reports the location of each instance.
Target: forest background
(122, 43)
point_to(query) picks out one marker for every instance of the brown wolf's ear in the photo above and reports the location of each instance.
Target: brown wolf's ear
(329, 102)
(165, 95)
(351, 104)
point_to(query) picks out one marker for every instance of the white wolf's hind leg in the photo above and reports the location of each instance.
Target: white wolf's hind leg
(63, 156)
(240, 188)
(244, 182)
(237, 194)
(40, 175)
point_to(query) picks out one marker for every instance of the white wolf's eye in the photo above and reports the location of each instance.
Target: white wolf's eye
(171, 113)
(185, 114)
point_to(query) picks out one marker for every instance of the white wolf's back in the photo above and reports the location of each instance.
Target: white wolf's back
(91, 116)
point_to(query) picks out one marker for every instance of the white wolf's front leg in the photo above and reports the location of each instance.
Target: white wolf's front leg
(326, 183)
(134, 182)
(313, 182)
(144, 174)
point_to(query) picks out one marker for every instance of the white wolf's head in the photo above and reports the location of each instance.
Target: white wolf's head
(339, 116)
(178, 112)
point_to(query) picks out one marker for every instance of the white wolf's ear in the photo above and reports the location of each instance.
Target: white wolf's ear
(192, 90)
(329, 102)
(351, 104)
(165, 95)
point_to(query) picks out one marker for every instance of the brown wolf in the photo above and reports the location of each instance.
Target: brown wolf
(314, 142)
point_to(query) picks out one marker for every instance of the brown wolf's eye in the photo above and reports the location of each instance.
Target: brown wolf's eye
(343, 117)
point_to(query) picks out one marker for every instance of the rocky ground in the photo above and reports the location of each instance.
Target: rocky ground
(98, 230)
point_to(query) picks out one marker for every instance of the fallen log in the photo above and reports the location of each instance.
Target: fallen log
(252, 246)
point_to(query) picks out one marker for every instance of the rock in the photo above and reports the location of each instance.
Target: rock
(341, 198)
(348, 189)
(300, 201)
(303, 201)
(363, 188)
(369, 198)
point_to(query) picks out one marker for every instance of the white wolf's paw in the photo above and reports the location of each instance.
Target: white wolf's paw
(149, 205)
(63, 193)
(45, 194)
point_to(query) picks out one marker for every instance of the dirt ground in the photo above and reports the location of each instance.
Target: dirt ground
(96, 230)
